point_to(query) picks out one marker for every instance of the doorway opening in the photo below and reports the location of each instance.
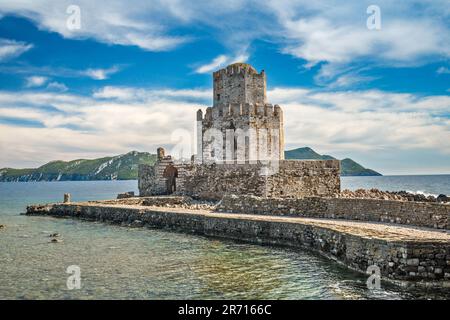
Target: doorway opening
(171, 175)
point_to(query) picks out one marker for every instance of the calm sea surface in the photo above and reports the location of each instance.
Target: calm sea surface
(426, 184)
(133, 263)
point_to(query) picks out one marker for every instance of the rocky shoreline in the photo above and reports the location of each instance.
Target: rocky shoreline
(189, 203)
(392, 195)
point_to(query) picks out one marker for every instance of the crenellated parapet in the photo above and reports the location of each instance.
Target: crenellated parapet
(236, 68)
(239, 83)
(246, 110)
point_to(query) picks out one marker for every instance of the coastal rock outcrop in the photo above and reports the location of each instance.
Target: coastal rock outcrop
(129, 194)
(391, 195)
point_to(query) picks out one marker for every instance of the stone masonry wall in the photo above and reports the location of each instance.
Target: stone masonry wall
(146, 180)
(212, 181)
(245, 132)
(239, 83)
(398, 260)
(432, 215)
(150, 178)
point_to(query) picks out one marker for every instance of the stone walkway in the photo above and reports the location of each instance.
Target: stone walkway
(371, 230)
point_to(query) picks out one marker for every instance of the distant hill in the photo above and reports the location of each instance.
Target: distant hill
(122, 167)
(125, 167)
(348, 166)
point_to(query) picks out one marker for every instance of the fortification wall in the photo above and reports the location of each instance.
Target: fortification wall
(422, 214)
(212, 181)
(150, 178)
(417, 256)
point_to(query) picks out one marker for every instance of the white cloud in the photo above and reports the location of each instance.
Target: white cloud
(336, 36)
(131, 23)
(39, 81)
(118, 119)
(57, 86)
(443, 70)
(216, 63)
(317, 31)
(45, 72)
(79, 127)
(100, 74)
(336, 33)
(321, 40)
(221, 61)
(139, 94)
(364, 120)
(10, 49)
(338, 77)
(120, 93)
(35, 81)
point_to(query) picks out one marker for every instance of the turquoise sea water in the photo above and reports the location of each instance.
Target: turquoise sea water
(134, 263)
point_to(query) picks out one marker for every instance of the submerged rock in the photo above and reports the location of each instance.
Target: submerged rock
(55, 240)
(2, 226)
(137, 223)
(442, 198)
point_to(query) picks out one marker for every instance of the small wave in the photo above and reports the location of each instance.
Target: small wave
(423, 193)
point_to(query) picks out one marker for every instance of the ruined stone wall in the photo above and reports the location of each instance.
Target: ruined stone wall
(151, 181)
(422, 214)
(146, 180)
(150, 178)
(212, 181)
(306, 178)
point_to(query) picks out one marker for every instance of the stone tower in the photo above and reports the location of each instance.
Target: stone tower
(241, 126)
(239, 83)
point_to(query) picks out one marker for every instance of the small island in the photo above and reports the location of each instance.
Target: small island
(234, 191)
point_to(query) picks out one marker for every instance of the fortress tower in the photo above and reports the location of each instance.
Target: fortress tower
(239, 142)
(241, 126)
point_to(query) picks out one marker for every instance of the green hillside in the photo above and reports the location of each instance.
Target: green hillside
(348, 166)
(305, 153)
(352, 168)
(122, 167)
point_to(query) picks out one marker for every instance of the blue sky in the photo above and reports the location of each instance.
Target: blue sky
(134, 73)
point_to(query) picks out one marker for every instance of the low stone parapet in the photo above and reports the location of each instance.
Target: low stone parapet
(411, 255)
(431, 215)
